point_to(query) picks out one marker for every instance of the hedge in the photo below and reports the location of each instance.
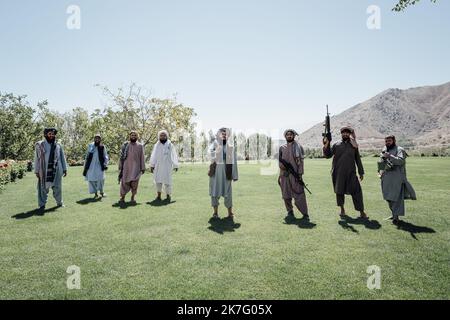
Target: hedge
(11, 171)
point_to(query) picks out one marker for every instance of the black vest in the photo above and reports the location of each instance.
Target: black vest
(101, 159)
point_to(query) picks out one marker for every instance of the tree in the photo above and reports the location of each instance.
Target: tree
(128, 109)
(50, 118)
(269, 147)
(203, 144)
(134, 108)
(78, 133)
(241, 150)
(403, 4)
(18, 127)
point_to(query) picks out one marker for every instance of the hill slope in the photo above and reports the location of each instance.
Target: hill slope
(417, 116)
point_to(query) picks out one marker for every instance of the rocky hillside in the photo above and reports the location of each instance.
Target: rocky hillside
(417, 116)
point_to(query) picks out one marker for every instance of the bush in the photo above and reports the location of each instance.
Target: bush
(10, 171)
(4, 178)
(75, 163)
(29, 166)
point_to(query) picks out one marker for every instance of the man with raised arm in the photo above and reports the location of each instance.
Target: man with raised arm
(346, 159)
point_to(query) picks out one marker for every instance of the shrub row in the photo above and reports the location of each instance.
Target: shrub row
(11, 171)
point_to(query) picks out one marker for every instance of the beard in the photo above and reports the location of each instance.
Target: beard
(163, 141)
(289, 140)
(50, 140)
(133, 139)
(390, 147)
(96, 143)
(346, 138)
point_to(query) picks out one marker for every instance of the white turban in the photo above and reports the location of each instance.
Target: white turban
(163, 131)
(228, 133)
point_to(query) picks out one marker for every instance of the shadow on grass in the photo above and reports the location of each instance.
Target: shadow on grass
(125, 205)
(89, 200)
(223, 225)
(413, 229)
(302, 223)
(160, 203)
(347, 223)
(35, 212)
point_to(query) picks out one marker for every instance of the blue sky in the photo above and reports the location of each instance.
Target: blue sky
(251, 65)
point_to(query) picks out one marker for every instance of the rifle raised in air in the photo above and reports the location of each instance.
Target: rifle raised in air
(327, 125)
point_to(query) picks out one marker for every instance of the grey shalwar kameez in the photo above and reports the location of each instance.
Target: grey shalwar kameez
(291, 188)
(48, 180)
(220, 184)
(394, 185)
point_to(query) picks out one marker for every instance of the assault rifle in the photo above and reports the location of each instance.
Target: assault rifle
(292, 171)
(327, 125)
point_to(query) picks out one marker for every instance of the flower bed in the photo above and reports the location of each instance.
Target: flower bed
(75, 163)
(11, 171)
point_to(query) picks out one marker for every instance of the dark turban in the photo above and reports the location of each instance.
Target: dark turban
(348, 129)
(290, 130)
(47, 130)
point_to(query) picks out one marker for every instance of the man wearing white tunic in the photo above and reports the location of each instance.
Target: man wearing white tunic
(394, 184)
(49, 166)
(95, 165)
(223, 170)
(163, 161)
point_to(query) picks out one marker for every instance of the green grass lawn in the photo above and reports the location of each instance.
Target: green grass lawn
(174, 252)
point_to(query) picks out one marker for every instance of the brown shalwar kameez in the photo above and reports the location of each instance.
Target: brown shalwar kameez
(343, 172)
(290, 187)
(133, 166)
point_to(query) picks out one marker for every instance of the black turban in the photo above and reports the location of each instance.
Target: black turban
(47, 130)
(347, 129)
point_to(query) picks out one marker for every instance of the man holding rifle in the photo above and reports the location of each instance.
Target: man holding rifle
(291, 156)
(394, 184)
(346, 158)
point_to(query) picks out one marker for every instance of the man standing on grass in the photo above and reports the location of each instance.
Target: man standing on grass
(346, 155)
(292, 154)
(49, 166)
(163, 161)
(394, 185)
(223, 170)
(131, 167)
(95, 165)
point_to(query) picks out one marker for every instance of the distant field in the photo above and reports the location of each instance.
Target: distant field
(176, 252)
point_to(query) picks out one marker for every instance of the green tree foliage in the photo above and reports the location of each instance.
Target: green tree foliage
(19, 126)
(132, 108)
(78, 133)
(403, 4)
